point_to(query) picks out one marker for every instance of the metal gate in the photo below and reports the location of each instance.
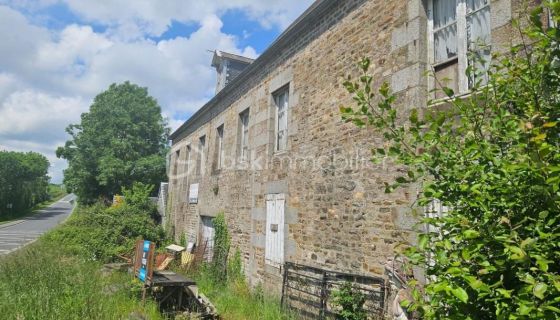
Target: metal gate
(308, 290)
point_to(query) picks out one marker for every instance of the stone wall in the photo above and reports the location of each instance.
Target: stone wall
(337, 215)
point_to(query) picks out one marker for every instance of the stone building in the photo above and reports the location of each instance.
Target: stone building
(270, 150)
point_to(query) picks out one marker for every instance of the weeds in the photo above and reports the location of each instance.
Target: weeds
(350, 301)
(44, 282)
(100, 233)
(236, 300)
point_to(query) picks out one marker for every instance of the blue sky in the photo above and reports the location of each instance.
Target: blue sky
(56, 55)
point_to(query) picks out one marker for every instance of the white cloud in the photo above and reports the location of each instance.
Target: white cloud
(132, 19)
(74, 49)
(38, 114)
(49, 77)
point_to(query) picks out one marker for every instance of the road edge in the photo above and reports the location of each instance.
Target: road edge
(74, 205)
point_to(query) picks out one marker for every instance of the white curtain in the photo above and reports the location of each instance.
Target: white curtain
(445, 12)
(478, 35)
(478, 24)
(445, 39)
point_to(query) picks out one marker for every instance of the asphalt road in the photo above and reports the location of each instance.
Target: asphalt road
(17, 234)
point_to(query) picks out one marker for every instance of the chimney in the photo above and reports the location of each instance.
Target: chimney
(228, 66)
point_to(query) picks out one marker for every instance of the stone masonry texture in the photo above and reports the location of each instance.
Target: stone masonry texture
(337, 215)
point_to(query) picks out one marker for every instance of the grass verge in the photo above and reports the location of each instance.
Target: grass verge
(60, 276)
(235, 300)
(42, 281)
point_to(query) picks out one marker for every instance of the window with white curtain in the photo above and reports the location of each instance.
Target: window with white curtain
(445, 29)
(281, 101)
(460, 32)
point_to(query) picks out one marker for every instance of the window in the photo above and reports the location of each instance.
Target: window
(445, 30)
(188, 164)
(460, 38)
(244, 135)
(176, 166)
(220, 147)
(201, 155)
(435, 209)
(281, 102)
(274, 237)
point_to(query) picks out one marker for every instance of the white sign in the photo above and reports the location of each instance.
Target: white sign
(193, 193)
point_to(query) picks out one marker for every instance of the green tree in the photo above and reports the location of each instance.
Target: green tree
(493, 158)
(122, 139)
(23, 181)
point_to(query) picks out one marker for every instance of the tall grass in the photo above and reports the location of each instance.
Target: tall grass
(41, 282)
(235, 300)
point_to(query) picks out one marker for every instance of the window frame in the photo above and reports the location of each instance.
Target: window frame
(176, 166)
(200, 166)
(283, 91)
(220, 147)
(188, 162)
(462, 15)
(244, 135)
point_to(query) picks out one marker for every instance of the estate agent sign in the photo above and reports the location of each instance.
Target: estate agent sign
(144, 261)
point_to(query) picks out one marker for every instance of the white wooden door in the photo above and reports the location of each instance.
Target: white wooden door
(274, 250)
(207, 237)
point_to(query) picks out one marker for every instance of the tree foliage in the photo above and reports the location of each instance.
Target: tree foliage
(121, 139)
(23, 181)
(492, 157)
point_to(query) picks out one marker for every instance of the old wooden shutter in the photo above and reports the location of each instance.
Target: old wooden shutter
(207, 237)
(274, 250)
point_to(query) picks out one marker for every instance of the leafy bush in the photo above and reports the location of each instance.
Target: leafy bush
(219, 265)
(101, 233)
(139, 196)
(494, 158)
(350, 302)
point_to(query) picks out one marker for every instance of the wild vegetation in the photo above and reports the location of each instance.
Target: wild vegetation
(60, 276)
(223, 282)
(493, 158)
(102, 234)
(44, 281)
(122, 139)
(350, 302)
(23, 181)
